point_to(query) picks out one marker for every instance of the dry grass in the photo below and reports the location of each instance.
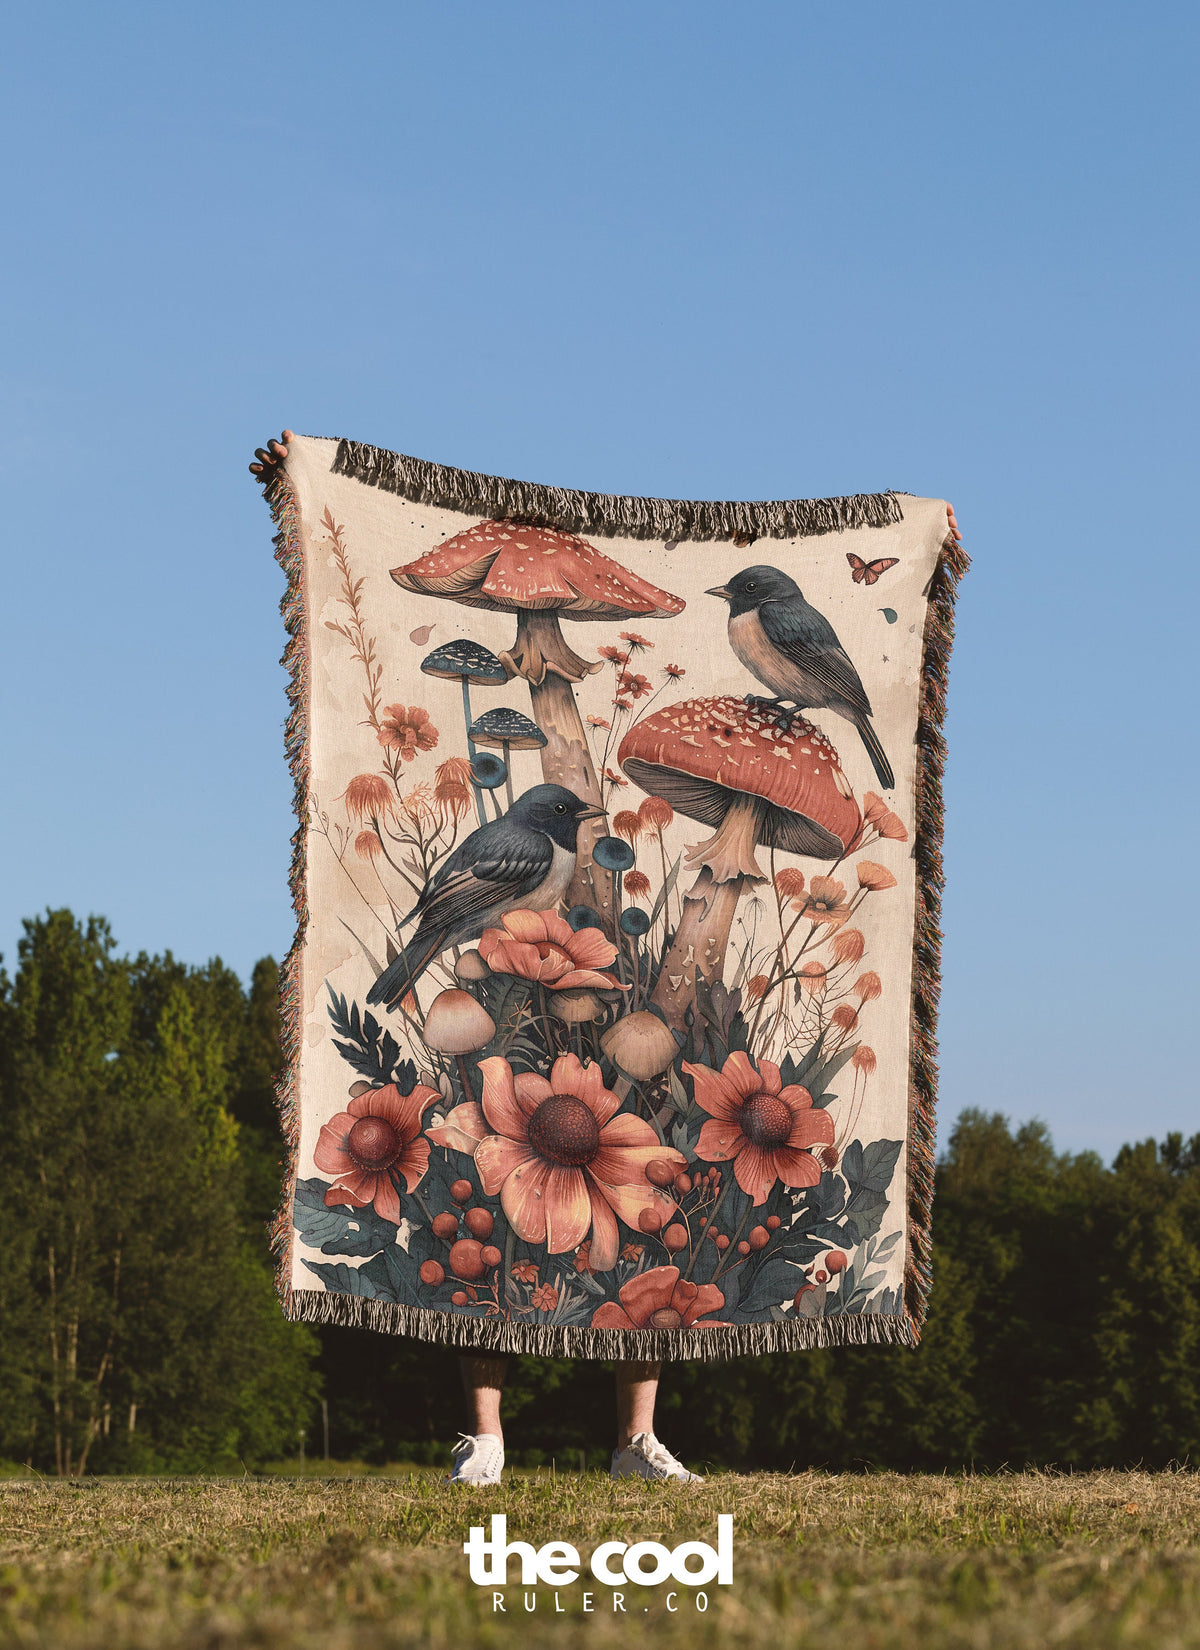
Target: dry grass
(1009, 1563)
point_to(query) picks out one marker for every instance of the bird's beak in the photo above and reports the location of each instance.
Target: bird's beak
(593, 813)
(721, 590)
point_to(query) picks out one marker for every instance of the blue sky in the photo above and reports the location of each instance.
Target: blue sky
(686, 249)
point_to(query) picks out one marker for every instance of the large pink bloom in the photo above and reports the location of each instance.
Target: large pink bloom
(372, 1144)
(765, 1128)
(539, 945)
(562, 1160)
(659, 1299)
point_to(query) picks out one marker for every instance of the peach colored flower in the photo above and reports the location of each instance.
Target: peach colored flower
(627, 824)
(633, 1252)
(615, 778)
(887, 823)
(766, 1129)
(656, 813)
(367, 845)
(582, 1264)
(863, 1059)
(848, 945)
(674, 671)
(614, 655)
(660, 1299)
(637, 644)
(620, 704)
(452, 786)
(812, 977)
(874, 877)
(790, 883)
(407, 729)
(844, 1017)
(636, 884)
(825, 902)
(598, 722)
(525, 1271)
(368, 794)
(545, 1298)
(868, 987)
(757, 987)
(373, 1144)
(539, 945)
(637, 687)
(562, 1160)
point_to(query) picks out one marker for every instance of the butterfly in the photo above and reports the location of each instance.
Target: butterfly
(867, 572)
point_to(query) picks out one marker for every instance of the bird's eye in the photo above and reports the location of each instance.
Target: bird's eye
(560, 807)
(751, 584)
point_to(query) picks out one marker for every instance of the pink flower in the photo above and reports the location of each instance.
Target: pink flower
(659, 1299)
(766, 1129)
(374, 1143)
(407, 729)
(562, 1161)
(539, 945)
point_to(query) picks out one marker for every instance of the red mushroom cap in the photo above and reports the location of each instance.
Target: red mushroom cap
(702, 754)
(502, 565)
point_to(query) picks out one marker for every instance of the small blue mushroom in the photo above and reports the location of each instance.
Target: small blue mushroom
(467, 662)
(612, 853)
(583, 916)
(507, 730)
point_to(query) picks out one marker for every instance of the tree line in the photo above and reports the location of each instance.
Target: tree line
(140, 1160)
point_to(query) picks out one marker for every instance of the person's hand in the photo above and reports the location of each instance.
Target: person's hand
(950, 516)
(270, 457)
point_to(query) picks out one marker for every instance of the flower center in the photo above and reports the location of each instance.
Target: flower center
(564, 1130)
(765, 1120)
(665, 1318)
(373, 1144)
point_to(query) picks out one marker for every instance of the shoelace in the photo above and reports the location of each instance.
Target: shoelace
(658, 1454)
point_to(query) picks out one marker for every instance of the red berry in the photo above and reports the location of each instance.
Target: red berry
(704, 1220)
(759, 1237)
(466, 1260)
(444, 1226)
(490, 1255)
(773, 1223)
(479, 1223)
(822, 1277)
(462, 1191)
(659, 1172)
(683, 1184)
(722, 1242)
(743, 1247)
(675, 1236)
(431, 1273)
(835, 1260)
(459, 1297)
(649, 1220)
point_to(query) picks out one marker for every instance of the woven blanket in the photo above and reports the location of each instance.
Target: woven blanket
(610, 1015)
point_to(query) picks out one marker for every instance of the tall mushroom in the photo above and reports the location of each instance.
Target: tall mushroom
(466, 662)
(510, 731)
(729, 765)
(544, 576)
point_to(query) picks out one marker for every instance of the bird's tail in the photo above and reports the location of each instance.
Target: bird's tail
(879, 761)
(399, 977)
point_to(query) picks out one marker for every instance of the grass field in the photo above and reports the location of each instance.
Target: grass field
(849, 1563)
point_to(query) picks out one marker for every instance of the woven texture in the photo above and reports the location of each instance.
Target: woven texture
(610, 1020)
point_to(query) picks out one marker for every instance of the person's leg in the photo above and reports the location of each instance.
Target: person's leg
(483, 1381)
(637, 1388)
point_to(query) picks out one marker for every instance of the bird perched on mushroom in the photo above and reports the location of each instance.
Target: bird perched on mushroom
(526, 858)
(794, 651)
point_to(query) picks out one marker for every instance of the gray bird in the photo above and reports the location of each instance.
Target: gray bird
(525, 858)
(794, 651)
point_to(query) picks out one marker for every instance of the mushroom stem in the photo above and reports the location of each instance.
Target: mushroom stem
(727, 869)
(477, 788)
(549, 666)
(508, 790)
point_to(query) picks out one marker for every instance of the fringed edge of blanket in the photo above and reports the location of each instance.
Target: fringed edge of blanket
(927, 946)
(281, 497)
(608, 515)
(565, 1341)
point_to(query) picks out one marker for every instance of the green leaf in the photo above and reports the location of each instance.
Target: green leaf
(340, 1230)
(347, 1280)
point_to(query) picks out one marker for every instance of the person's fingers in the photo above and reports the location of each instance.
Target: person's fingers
(256, 469)
(264, 456)
(952, 520)
(278, 449)
(288, 435)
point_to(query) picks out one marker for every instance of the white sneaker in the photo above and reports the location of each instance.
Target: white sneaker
(644, 1457)
(477, 1460)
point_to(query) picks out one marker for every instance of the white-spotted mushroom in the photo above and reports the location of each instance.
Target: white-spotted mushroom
(729, 765)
